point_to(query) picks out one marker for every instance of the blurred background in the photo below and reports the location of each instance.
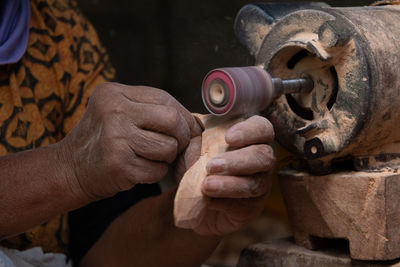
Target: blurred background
(172, 44)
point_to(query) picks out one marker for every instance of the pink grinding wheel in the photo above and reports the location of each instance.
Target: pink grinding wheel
(238, 90)
(224, 77)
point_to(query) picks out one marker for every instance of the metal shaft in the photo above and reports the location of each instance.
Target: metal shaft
(291, 86)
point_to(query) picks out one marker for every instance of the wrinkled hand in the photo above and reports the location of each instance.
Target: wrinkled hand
(128, 135)
(238, 181)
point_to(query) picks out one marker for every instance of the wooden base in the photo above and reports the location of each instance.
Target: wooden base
(285, 252)
(362, 207)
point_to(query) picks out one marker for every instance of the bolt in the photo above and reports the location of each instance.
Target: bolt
(314, 148)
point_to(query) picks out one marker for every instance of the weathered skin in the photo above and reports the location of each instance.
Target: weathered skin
(128, 133)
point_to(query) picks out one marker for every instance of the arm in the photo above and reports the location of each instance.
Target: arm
(34, 188)
(145, 235)
(128, 135)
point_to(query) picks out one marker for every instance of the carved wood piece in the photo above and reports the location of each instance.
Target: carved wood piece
(362, 207)
(190, 204)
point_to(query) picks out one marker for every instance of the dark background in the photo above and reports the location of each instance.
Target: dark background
(172, 44)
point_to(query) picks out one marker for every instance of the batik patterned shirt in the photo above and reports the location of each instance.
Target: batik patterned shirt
(44, 95)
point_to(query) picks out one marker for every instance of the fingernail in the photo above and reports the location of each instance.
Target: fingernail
(216, 165)
(213, 186)
(234, 136)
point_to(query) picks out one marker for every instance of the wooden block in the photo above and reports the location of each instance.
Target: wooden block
(190, 203)
(362, 207)
(285, 252)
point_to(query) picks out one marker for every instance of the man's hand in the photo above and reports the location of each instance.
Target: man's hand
(238, 184)
(128, 135)
(238, 181)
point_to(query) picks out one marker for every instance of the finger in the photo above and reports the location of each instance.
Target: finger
(180, 169)
(146, 171)
(162, 119)
(255, 130)
(156, 96)
(245, 161)
(192, 153)
(236, 187)
(153, 146)
(239, 210)
(188, 158)
(128, 169)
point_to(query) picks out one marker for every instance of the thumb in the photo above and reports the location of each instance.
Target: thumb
(188, 157)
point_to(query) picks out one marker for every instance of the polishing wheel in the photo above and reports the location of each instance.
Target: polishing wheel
(240, 90)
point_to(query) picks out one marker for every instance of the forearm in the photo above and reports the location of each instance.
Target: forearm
(34, 187)
(146, 236)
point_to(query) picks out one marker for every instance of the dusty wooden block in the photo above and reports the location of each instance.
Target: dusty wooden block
(362, 207)
(285, 252)
(190, 203)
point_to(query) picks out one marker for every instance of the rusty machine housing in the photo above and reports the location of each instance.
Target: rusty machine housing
(345, 131)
